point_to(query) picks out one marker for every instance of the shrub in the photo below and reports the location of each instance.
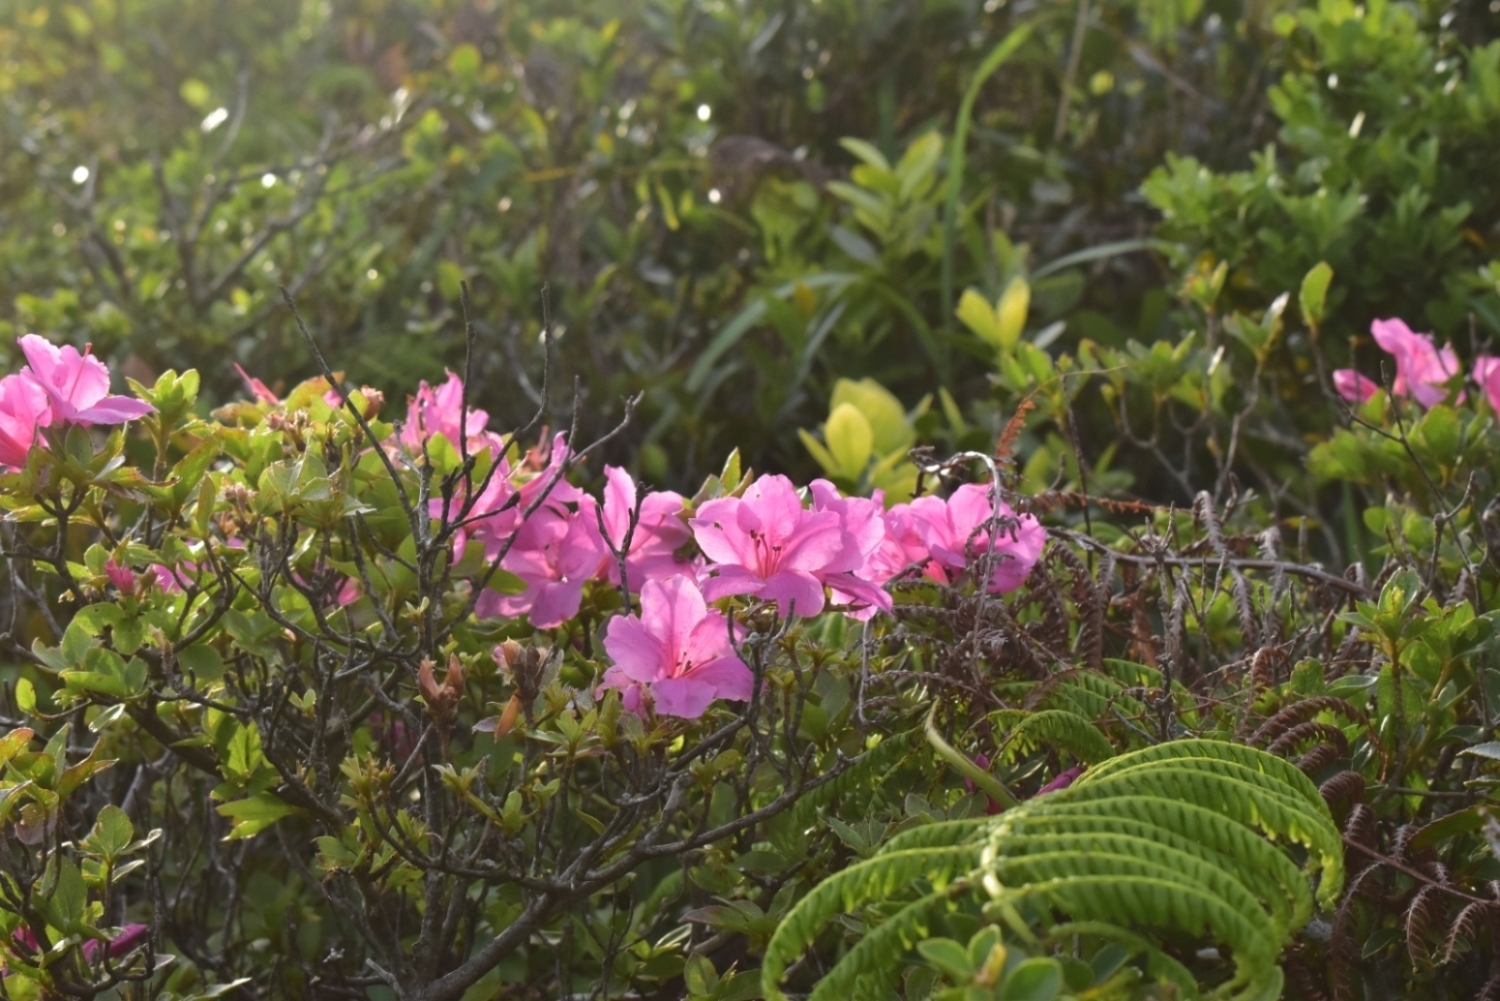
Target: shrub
(320, 702)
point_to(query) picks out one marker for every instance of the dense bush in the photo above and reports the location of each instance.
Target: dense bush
(319, 704)
(1176, 677)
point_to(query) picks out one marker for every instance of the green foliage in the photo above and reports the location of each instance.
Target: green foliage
(1182, 872)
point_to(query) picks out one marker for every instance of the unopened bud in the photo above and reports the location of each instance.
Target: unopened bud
(374, 400)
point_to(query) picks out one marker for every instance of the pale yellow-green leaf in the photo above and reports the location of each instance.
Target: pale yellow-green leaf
(952, 412)
(827, 461)
(979, 316)
(849, 439)
(888, 422)
(1010, 313)
(896, 476)
(1313, 296)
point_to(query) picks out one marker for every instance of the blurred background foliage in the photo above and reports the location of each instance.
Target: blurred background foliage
(736, 205)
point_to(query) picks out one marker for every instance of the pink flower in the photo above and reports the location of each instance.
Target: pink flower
(900, 549)
(677, 651)
(437, 411)
(1353, 386)
(659, 533)
(120, 577)
(955, 535)
(77, 385)
(862, 520)
(1421, 369)
(23, 409)
(1487, 374)
(258, 389)
(497, 511)
(1062, 780)
(130, 936)
(764, 544)
(555, 554)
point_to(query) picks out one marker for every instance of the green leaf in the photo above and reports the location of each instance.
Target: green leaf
(849, 439)
(1035, 979)
(699, 976)
(1010, 313)
(1454, 824)
(975, 312)
(66, 905)
(112, 833)
(93, 618)
(203, 660)
(820, 454)
(25, 697)
(887, 418)
(866, 152)
(245, 755)
(464, 62)
(948, 956)
(741, 986)
(1490, 750)
(253, 815)
(1313, 297)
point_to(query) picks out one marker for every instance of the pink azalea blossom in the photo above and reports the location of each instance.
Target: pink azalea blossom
(542, 472)
(954, 533)
(1353, 386)
(901, 549)
(1487, 374)
(555, 554)
(676, 653)
(1421, 369)
(258, 389)
(1062, 780)
(437, 411)
(23, 409)
(130, 936)
(659, 532)
(498, 511)
(862, 520)
(77, 385)
(121, 577)
(766, 545)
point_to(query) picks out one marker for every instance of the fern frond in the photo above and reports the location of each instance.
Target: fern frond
(1255, 804)
(1343, 787)
(1062, 729)
(1131, 900)
(1248, 757)
(1132, 675)
(1317, 758)
(1299, 712)
(1207, 865)
(883, 876)
(1309, 731)
(864, 775)
(866, 972)
(1467, 926)
(1130, 857)
(943, 834)
(1179, 839)
(1419, 917)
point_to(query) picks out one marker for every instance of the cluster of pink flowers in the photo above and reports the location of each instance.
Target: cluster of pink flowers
(57, 386)
(801, 551)
(770, 543)
(1423, 370)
